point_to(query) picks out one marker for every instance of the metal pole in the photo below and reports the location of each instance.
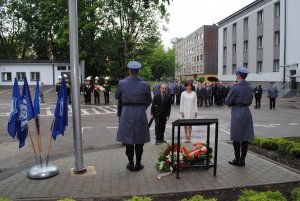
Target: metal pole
(74, 61)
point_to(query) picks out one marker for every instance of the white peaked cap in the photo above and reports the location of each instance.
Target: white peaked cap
(65, 76)
(59, 77)
(96, 78)
(88, 78)
(106, 78)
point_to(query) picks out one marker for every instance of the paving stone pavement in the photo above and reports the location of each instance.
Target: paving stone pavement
(113, 179)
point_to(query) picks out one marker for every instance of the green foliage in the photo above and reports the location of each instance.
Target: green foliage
(295, 194)
(251, 195)
(139, 198)
(199, 198)
(287, 147)
(4, 199)
(201, 79)
(110, 33)
(66, 199)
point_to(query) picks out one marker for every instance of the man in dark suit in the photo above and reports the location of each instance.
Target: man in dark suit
(160, 110)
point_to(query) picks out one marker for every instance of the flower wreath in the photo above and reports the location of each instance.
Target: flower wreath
(196, 156)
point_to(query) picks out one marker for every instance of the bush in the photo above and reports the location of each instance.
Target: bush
(295, 151)
(285, 146)
(251, 195)
(268, 144)
(199, 198)
(4, 199)
(296, 194)
(139, 198)
(256, 140)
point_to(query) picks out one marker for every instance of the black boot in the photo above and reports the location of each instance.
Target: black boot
(138, 153)
(130, 153)
(237, 150)
(244, 152)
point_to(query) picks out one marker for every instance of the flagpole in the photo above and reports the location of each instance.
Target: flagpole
(74, 63)
(33, 147)
(39, 139)
(50, 143)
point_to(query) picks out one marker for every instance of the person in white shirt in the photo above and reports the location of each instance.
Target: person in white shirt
(188, 108)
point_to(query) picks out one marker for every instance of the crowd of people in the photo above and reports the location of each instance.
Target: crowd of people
(87, 89)
(133, 130)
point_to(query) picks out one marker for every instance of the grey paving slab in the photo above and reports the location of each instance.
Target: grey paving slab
(113, 179)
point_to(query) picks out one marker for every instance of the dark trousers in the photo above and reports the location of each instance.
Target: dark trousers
(272, 103)
(257, 103)
(178, 96)
(106, 98)
(240, 149)
(88, 98)
(69, 95)
(160, 126)
(138, 148)
(97, 97)
(209, 100)
(172, 98)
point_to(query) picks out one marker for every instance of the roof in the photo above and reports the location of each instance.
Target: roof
(32, 62)
(239, 11)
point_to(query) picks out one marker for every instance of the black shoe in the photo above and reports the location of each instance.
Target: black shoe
(236, 162)
(130, 166)
(157, 142)
(138, 167)
(163, 141)
(242, 162)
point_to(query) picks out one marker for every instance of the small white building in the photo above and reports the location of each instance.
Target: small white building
(45, 71)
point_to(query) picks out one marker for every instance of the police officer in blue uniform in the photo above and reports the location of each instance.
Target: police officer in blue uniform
(133, 131)
(239, 99)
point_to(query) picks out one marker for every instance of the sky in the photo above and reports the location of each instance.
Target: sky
(186, 16)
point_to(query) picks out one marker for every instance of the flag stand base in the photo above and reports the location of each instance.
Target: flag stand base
(44, 172)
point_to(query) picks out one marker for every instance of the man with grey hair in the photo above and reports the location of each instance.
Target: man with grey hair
(133, 131)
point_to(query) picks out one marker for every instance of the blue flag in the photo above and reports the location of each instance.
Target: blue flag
(61, 112)
(36, 106)
(26, 114)
(13, 122)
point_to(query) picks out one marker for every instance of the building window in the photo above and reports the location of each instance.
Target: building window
(225, 33)
(201, 36)
(246, 65)
(197, 58)
(224, 51)
(246, 23)
(6, 77)
(245, 46)
(201, 46)
(21, 76)
(201, 57)
(234, 29)
(234, 49)
(260, 42)
(224, 70)
(276, 38)
(69, 67)
(276, 65)
(260, 17)
(277, 9)
(259, 67)
(233, 68)
(61, 67)
(34, 76)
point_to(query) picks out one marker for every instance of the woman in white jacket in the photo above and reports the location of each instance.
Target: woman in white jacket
(188, 108)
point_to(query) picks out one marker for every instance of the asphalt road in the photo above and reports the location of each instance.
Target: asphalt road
(100, 122)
